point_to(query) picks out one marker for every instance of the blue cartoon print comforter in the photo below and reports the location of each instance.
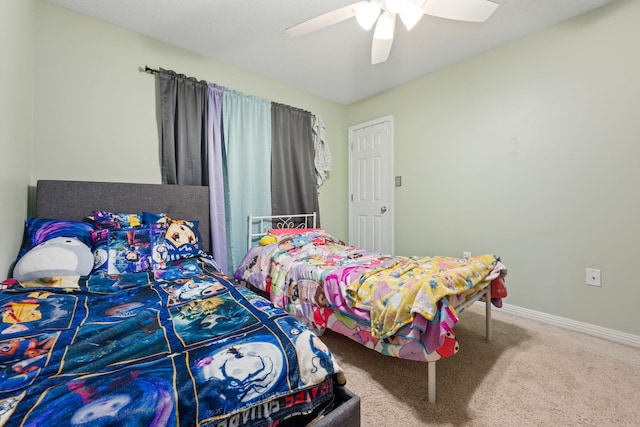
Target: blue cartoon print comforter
(187, 348)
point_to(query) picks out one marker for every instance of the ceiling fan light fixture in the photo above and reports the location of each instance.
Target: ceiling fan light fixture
(410, 14)
(368, 14)
(385, 27)
(383, 13)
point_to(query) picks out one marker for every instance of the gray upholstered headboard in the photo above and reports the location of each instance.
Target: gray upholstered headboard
(75, 200)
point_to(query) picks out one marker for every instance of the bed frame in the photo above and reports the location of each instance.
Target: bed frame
(74, 200)
(259, 226)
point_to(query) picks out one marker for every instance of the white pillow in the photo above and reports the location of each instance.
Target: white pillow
(60, 256)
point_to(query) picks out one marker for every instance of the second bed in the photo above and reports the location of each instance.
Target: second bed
(402, 307)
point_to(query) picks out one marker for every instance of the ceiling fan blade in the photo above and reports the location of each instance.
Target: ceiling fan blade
(325, 20)
(461, 10)
(380, 50)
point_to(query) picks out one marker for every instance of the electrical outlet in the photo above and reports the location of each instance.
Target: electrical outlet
(398, 181)
(466, 254)
(593, 277)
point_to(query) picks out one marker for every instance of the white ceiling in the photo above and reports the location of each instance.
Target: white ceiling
(334, 62)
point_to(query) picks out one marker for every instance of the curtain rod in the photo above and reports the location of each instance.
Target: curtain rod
(150, 70)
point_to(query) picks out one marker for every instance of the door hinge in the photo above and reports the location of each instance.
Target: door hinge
(352, 197)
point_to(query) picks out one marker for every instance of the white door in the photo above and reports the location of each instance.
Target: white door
(371, 185)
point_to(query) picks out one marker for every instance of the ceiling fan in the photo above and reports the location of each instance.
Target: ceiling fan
(383, 14)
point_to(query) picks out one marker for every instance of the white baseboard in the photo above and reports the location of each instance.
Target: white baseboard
(574, 325)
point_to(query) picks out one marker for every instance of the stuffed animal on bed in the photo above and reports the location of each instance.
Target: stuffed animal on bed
(60, 256)
(267, 240)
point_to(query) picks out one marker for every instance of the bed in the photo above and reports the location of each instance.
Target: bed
(168, 341)
(402, 307)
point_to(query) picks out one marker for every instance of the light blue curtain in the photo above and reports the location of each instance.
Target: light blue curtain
(247, 144)
(215, 153)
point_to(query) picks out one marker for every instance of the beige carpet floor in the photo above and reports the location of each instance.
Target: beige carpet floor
(530, 374)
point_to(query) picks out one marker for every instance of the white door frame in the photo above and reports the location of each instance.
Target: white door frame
(389, 161)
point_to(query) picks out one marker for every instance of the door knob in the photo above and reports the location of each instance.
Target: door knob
(383, 209)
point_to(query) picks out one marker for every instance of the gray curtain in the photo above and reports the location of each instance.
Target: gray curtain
(184, 129)
(293, 181)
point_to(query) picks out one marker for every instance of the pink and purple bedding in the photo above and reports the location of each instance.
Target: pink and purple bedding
(398, 306)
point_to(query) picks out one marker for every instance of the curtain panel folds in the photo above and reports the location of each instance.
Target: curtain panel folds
(215, 150)
(247, 143)
(184, 134)
(257, 157)
(293, 176)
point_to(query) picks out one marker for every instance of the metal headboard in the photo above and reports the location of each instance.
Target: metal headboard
(259, 226)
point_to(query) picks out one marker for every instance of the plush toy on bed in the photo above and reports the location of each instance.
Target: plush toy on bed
(60, 256)
(267, 240)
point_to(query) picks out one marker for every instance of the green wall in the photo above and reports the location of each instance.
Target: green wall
(16, 122)
(530, 151)
(95, 115)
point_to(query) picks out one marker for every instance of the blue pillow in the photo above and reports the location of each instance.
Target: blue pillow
(121, 251)
(173, 239)
(100, 249)
(129, 250)
(159, 219)
(106, 219)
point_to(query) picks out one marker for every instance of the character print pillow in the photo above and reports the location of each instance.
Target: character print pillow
(109, 220)
(172, 239)
(121, 251)
(129, 250)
